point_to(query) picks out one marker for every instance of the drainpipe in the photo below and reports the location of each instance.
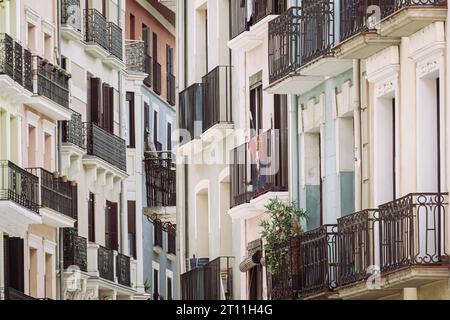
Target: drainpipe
(358, 139)
(123, 207)
(60, 231)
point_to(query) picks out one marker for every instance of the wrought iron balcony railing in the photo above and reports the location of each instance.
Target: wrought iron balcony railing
(191, 109)
(412, 231)
(245, 14)
(160, 174)
(259, 166)
(16, 62)
(356, 245)
(315, 261)
(115, 41)
(73, 131)
(299, 36)
(156, 77)
(105, 263)
(135, 55)
(217, 97)
(171, 89)
(52, 82)
(71, 14)
(55, 193)
(106, 146)
(280, 283)
(96, 28)
(213, 281)
(123, 272)
(390, 7)
(75, 250)
(18, 185)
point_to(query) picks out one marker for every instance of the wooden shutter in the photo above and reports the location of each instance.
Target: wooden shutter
(16, 273)
(146, 124)
(95, 100)
(111, 110)
(131, 120)
(111, 226)
(91, 217)
(169, 136)
(146, 39)
(75, 204)
(6, 270)
(132, 226)
(155, 47)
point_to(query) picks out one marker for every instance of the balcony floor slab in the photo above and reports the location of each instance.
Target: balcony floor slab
(55, 219)
(96, 51)
(15, 219)
(408, 21)
(326, 67)
(114, 63)
(49, 108)
(295, 84)
(364, 45)
(12, 91)
(70, 33)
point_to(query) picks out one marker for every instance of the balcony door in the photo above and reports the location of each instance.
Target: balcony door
(13, 254)
(111, 226)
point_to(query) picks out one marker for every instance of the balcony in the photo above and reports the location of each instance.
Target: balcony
(73, 131)
(171, 89)
(115, 40)
(19, 196)
(406, 241)
(401, 18)
(259, 167)
(191, 109)
(51, 90)
(249, 32)
(314, 270)
(217, 117)
(75, 250)
(301, 51)
(106, 146)
(16, 74)
(111, 269)
(71, 20)
(160, 174)
(213, 281)
(96, 33)
(135, 56)
(58, 199)
(156, 77)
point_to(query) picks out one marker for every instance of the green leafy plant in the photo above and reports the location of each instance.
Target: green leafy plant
(147, 286)
(282, 224)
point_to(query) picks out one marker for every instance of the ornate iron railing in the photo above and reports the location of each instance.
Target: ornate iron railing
(191, 108)
(16, 62)
(135, 55)
(75, 250)
(123, 270)
(71, 14)
(244, 14)
(52, 82)
(358, 16)
(280, 283)
(18, 185)
(259, 166)
(115, 41)
(56, 194)
(171, 89)
(315, 261)
(412, 231)
(96, 28)
(156, 77)
(299, 36)
(390, 7)
(217, 97)
(105, 263)
(106, 146)
(213, 281)
(357, 234)
(73, 131)
(160, 174)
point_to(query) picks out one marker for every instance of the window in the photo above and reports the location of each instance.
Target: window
(169, 289)
(155, 129)
(169, 59)
(169, 136)
(132, 27)
(132, 228)
(91, 218)
(256, 108)
(31, 37)
(155, 47)
(48, 46)
(156, 285)
(146, 39)
(111, 226)
(131, 137)
(146, 126)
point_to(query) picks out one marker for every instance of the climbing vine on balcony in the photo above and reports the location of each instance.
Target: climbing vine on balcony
(282, 224)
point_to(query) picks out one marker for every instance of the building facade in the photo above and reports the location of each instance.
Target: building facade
(349, 96)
